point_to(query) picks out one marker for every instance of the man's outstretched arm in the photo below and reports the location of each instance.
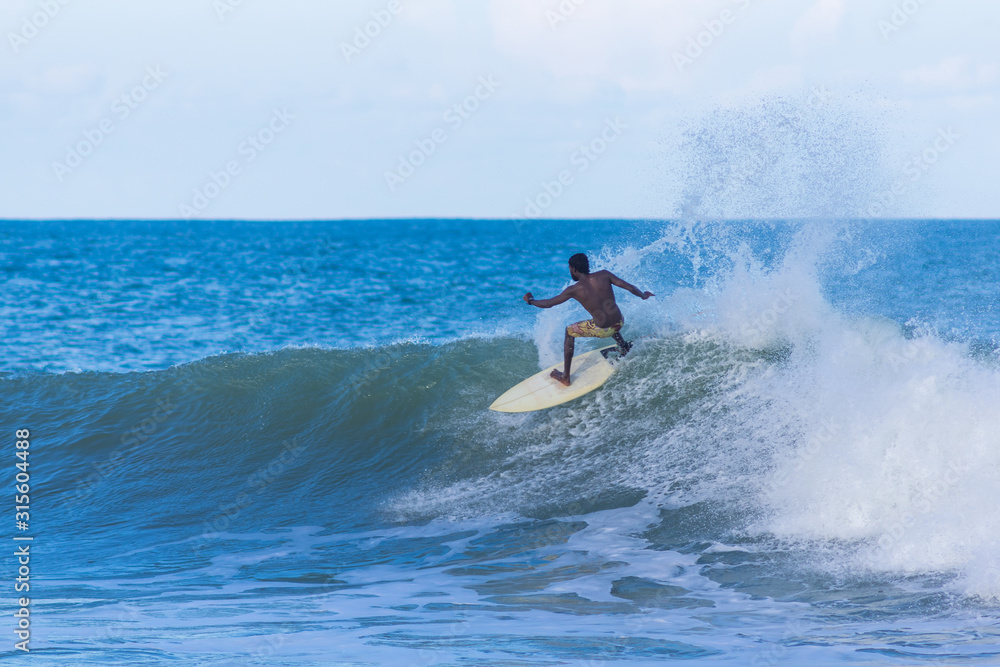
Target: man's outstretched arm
(548, 303)
(618, 282)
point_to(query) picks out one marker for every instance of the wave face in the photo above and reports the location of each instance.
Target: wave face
(805, 430)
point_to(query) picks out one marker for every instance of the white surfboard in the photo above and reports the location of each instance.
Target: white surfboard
(588, 372)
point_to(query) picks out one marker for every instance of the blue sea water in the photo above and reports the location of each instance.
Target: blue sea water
(267, 443)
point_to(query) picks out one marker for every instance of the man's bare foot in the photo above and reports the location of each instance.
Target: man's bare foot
(559, 376)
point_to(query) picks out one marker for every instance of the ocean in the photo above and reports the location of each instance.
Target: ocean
(268, 443)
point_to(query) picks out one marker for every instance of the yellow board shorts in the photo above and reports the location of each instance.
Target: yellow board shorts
(588, 329)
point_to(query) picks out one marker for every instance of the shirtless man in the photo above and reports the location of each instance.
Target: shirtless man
(594, 292)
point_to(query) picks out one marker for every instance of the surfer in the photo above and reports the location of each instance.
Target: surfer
(595, 293)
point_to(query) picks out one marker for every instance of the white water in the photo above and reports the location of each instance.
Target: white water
(886, 442)
(855, 445)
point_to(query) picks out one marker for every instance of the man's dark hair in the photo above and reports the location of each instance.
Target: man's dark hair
(580, 262)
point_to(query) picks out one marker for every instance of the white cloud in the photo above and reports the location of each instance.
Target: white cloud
(71, 79)
(820, 23)
(26, 102)
(955, 73)
(608, 58)
(627, 44)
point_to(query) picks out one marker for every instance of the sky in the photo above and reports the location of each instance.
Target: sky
(310, 109)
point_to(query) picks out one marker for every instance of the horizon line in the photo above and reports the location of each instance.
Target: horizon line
(512, 219)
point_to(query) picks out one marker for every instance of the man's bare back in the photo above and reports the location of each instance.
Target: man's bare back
(595, 292)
